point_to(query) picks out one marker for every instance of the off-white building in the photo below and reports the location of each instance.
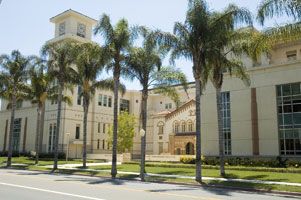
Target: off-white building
(263, 119)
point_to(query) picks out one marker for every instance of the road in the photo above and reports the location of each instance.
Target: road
(29, 185)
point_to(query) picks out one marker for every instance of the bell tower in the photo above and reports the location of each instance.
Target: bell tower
(72, 25)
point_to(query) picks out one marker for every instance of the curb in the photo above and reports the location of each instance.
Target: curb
(178, 183)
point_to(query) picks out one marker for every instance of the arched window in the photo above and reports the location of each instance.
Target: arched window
(176, 127)
(183, 125)
(190, 126)
(160, 128)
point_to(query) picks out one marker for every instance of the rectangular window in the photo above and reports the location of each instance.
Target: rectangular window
(169, 105)
(100, 100)
(98, 128)
(289, 118)
(124, 105)
(166, 106)
(98, 141)
(226, 122)
(103, 144)
(79, 91)
(16, 134)
(51, 138)
(105, 100)
(160, 148)
(104, 128)
(108, 146)
(291, 55)
(110, 102)
(161, 130)
(77, 132)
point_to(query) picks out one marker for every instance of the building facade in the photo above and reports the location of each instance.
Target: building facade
(263, 119)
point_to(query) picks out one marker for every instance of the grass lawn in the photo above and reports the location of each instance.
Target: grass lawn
(237, 174)
(45, 161)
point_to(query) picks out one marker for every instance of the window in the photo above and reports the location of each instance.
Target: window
(104, 128)
(19, 105)
(190, 126)
(160, 148)
(100, 100)
(103, 144)
(289, 118)
(98, 141)
(176, 127)
(168, 105)
(178, 151)
(183, 127)
(291, 55)
(77, 132)
(98, 128)
(124, 105)
(105, 100)
(52, 135)
(16, 134)
(79, 91)
(160, 128)
(110, 102)
(108, 146)
(226, 122)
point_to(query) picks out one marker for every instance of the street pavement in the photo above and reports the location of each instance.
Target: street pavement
(29, 185)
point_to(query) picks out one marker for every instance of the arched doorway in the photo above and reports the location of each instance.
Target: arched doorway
(189, 149)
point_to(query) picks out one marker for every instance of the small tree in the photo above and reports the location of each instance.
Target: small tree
(126, 132)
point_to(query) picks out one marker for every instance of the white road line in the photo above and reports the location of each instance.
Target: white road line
(50, 191)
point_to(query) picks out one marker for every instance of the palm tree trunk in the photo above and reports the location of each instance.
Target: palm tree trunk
(58, 123)
(143, 138)
(198, 164)
(38, 132)
(12, 119)
(114, 153)
(220, 130)
(86, 108)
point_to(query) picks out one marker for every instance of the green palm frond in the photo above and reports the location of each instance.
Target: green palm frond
(270, 8)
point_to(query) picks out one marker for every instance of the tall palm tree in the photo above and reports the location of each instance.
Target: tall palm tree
(192, 40)
(59, 66)
(90, 62)
(12, 82)
(37, 92)
(144, 63)
(117, 39)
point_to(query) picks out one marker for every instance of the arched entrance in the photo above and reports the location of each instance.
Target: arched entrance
(189, 149)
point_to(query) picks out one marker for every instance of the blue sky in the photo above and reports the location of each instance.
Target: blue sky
(25, 23)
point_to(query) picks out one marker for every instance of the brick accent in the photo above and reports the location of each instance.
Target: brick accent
(254, 119)
(5, 136)
(25, 134)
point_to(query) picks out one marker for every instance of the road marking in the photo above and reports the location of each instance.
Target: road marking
(115, 187)
(50, 191)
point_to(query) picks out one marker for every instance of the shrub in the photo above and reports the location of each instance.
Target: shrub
(187, 160)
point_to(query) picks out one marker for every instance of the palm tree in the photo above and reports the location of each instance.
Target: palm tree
(59, 66)
(90, 62)
(117, 40)
(193, 41)
(270, 8)
(12, 82)
(37, 92)
(144, 63)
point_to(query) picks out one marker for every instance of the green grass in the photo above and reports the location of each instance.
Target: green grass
(236, 174)
(44, 161)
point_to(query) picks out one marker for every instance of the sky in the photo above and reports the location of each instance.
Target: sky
(25, 23)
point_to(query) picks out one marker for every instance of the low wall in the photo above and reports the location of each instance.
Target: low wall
(126, 157)
(163, 158)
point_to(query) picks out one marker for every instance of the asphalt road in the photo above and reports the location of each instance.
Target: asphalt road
(32, 185)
